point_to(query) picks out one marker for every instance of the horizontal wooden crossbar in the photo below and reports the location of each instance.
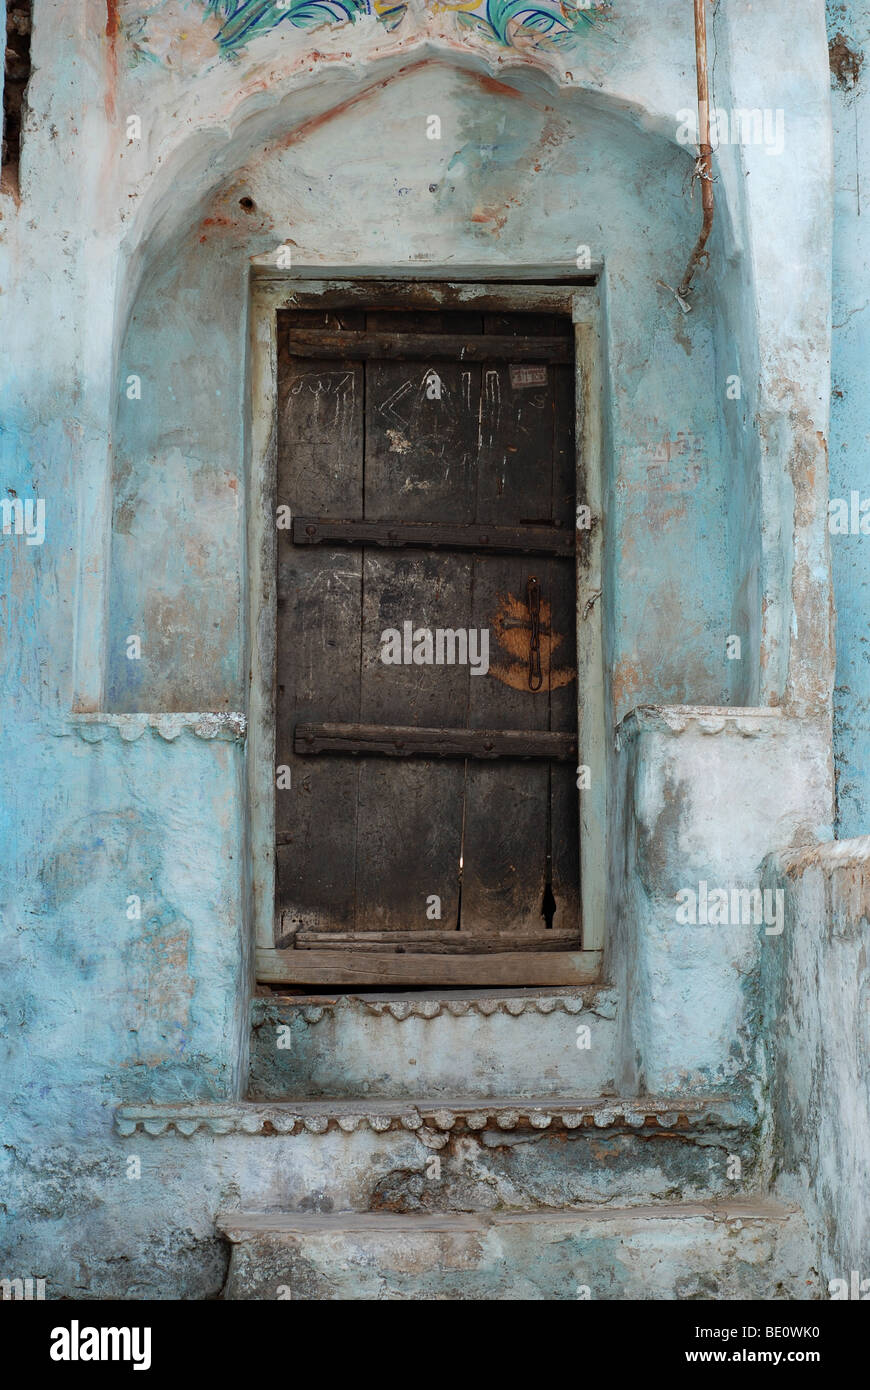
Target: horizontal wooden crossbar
(396, 741)
(350, 346)
(426, 535)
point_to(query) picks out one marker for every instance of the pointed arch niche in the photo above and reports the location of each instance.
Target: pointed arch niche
(525, 179)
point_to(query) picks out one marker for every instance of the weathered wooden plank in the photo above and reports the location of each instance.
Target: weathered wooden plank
(409, 741)
(430, 535)
(410, 812)
(467, 942)
(425, 594)
(320, 456)
(564, 794)
(558, 296)
(320, 427)
(421, 432)
(420, 457)
(517, 442)
(318, 672)
(565, 847)
(527, 968)
(565, 461)
(505, 847)
(427, 347)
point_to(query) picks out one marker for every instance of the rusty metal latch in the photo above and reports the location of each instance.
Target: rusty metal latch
(536, 678)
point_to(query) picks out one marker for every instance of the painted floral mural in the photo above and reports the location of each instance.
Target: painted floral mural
(506, 22)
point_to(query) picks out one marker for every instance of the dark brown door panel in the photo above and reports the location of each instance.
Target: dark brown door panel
(426, 672)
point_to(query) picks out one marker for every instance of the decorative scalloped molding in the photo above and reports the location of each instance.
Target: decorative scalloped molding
(598, 1002)
(432, 1122)
(93, 728)
(747, 721)
(460, 1008)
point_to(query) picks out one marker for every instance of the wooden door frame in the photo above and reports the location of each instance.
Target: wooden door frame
(554, 289)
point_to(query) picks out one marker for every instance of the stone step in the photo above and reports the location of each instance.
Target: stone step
(452, 1154)
(733, 1250)
(531, 1042)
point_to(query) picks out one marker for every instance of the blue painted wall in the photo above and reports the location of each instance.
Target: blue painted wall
(99, 1007)
(849, 33)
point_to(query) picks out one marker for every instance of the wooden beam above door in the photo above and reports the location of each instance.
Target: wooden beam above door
(356, 346)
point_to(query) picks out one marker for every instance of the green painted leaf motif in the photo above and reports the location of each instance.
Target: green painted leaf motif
(242, 20)
(554, 20)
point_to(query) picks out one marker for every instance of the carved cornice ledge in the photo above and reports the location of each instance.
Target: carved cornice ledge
(513, 1007)
(431, 1121)
(595, 1000)
(93, 728)
(748, 722)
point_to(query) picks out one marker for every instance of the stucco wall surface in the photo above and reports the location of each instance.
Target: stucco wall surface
(125, 253)
(817, 1014)
(849, 35)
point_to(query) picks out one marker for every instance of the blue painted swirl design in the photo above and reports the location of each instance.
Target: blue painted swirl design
(556, 21)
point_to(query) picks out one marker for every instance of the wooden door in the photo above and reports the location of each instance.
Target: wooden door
(427, 460)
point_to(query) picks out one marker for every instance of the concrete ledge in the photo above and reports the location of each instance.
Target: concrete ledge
(749, 721)
(670, 1251)
(433, 1119)
(829, 856)
(239, 1226)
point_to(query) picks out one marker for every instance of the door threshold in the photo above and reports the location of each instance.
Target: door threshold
(373, 968)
